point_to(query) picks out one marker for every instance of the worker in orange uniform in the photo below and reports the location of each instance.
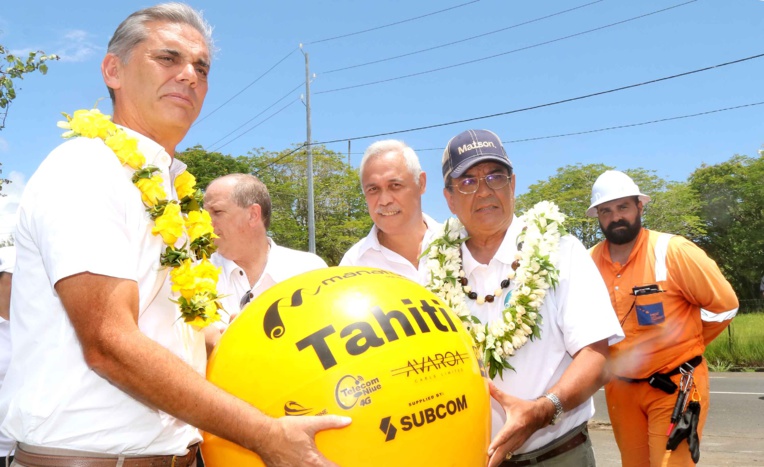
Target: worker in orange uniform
(672, 301)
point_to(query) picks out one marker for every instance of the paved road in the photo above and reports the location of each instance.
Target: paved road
(734, 433)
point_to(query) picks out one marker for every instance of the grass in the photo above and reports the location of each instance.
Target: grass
(740, 347)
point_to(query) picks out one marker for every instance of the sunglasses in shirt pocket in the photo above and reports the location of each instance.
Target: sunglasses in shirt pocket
(649, 306)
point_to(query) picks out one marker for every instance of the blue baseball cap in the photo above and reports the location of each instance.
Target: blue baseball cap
(472, 147)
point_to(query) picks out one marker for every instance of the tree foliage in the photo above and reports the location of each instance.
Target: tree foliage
(571, 188)
(14, 68)
(339, 207)
(207, 166)
(732, 208)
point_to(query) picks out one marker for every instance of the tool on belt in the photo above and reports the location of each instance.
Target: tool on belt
(685, 418)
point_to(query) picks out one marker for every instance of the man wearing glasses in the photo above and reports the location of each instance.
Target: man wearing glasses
(393, 184)
(240, 208)
(541, 407)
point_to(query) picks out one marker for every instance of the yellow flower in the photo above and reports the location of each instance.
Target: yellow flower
(91, 124)
(126, 149)
(195, 281)
(198, 223)
(170, 224)
(152, 191)
(206, 275)
(183, 279)
(185, 184)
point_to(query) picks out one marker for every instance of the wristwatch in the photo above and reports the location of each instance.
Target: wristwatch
(557, 407)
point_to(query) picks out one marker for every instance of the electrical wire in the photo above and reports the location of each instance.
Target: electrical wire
(632, 124)
(255, 126)
(392, 24)
(462, 40)
(245, 87)
(610, 128)
(345, 88)
(262, 112)
(548, 104)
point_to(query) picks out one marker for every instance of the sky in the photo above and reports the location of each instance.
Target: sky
(540, 53)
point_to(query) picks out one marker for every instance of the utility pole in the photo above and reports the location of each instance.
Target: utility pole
(311, 214)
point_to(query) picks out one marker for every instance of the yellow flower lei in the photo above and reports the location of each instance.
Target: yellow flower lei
(192, 275)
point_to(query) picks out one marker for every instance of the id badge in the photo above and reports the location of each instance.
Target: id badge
(649, 306)
(648, 315)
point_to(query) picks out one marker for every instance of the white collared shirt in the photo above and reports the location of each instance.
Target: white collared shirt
(282, 264)
(79, 213)
(369, 252)
(576, 314)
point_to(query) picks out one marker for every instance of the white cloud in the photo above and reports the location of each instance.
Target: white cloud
(77, 46)
(74, 46)
(9, 203)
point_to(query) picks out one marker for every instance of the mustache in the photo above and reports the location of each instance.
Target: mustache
(620, 223)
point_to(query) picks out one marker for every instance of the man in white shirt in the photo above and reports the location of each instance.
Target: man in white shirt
(540, 409)
(251, 262)
(393, 184)
(104, 370)
(7, 262)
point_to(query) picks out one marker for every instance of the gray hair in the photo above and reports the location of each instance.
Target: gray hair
(132, 31)
(249, 190)
(380, 148)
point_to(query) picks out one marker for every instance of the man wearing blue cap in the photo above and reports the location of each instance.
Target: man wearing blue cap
(548, 355)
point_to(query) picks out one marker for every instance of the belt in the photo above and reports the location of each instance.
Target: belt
(573, 442)
(43, 460)
(687, 366)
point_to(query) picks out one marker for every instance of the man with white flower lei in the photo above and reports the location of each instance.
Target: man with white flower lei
(104, 370)
(542, 395)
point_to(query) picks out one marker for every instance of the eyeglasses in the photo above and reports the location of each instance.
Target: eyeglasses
(245, 299)
(470, 185)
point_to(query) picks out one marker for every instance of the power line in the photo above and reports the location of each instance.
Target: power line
(632, 124)
(257, 125)
(392, 24)
(262, 112)
(505, 53)
(549, 104)
(610, 128)
(462, 40)
(246, 87)
(283, 157)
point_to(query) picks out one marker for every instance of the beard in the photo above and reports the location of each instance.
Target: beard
(623, 236)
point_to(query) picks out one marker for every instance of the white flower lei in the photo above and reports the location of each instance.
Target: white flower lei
(535, 274)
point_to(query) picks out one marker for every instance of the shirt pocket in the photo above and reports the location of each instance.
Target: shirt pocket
(649, 309)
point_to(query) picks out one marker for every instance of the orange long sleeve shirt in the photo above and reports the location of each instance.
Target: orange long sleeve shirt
(664, 329)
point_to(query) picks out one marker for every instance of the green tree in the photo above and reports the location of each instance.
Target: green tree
(207, 166)
(339, 206)
(673, 209)
(14, 68)
(732, 209)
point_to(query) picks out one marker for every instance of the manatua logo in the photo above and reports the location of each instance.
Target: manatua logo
(292, 408)
(350, 389)
(424, 417)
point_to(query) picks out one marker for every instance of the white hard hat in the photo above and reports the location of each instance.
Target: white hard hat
(613, 185)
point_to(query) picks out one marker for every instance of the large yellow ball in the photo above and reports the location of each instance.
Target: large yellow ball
(364, 343)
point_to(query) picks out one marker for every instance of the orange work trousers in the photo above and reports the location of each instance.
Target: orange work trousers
(641, 415)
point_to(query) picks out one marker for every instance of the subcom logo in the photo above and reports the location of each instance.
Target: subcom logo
(388, 429)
